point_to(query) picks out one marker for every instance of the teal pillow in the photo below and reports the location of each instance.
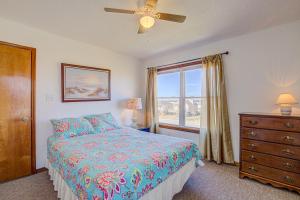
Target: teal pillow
(71, 127)
(99, 125)
(105, 117)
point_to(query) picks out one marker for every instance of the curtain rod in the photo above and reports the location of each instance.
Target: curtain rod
(195, 59)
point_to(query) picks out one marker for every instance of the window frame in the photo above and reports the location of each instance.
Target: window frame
(181, 68)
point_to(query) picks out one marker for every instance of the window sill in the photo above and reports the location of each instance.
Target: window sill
(179, 128)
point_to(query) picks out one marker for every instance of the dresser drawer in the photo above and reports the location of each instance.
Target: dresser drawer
(271, 148)
(283, 137)
(286, 124)
(271, 173)
(271, 161)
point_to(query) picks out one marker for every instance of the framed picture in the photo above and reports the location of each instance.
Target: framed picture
(81, 83)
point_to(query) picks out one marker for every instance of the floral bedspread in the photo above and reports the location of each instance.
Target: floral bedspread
(120, 164)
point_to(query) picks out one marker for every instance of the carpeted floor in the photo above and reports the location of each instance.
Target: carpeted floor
(212, 182)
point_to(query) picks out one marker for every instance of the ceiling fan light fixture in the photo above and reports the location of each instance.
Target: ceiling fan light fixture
(147, 21)
(148, 15)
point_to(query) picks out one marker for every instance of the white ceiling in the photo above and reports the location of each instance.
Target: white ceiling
(207, 20)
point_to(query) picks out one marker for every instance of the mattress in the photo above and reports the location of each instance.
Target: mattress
(120, 164)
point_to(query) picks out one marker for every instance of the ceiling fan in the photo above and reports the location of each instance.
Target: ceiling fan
(148, 15)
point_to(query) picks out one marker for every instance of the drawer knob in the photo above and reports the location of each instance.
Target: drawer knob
(252, 145)
(289, 125)
(252, 157)
(288, 179)
(288, 138)
(288, 152)
(253, 122)
(252, 133)
(252, 168)
(288, 165)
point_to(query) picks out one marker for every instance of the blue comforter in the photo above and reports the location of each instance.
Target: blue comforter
(120, 164)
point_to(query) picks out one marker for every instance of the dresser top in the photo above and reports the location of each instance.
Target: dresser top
(277, 115)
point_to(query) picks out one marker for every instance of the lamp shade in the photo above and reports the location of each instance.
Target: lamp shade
(135, 104)
(286, 99)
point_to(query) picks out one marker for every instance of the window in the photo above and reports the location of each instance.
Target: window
(179, 98)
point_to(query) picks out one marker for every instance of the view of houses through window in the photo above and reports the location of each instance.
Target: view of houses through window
(179, 97)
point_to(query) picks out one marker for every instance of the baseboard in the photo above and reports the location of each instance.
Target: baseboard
(43, 169)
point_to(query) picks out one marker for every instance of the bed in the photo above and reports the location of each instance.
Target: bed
(120, 164)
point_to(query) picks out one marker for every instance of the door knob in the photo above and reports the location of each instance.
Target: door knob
(24, 119)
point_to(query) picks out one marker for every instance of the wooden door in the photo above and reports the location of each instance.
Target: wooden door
(17, 148)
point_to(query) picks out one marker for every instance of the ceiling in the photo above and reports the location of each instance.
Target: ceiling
(207, 21)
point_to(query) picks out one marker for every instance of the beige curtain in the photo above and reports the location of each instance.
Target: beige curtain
(151, 117)
(215, 136)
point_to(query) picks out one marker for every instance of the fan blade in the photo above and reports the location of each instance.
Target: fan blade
(115, 10)
(171, 17)
(141, 29)
(151, 3)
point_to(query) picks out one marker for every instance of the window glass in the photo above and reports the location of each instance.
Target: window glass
(168, 97)
(192, 97)
(192, 112)
(168, 109)
(168, 85)
(192, 83)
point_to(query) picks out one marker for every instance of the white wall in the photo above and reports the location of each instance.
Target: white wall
(260, 66)
(51, 51)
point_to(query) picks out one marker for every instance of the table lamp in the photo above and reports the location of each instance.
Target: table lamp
(286, 101)
(134, 104)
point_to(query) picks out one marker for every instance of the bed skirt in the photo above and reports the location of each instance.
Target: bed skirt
(164, 191)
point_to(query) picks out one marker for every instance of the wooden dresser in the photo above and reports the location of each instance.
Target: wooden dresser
(270, 149)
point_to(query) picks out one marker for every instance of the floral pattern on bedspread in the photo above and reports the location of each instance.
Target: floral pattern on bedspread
(122, 164)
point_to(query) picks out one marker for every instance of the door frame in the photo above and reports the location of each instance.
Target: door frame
(33, 90)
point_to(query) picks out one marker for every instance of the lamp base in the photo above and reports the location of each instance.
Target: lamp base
(134, 119)
(133, 125)
(286, 110)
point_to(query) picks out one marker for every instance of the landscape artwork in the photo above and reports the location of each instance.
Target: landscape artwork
(81, 83)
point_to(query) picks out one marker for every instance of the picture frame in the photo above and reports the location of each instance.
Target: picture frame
(83, 83)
